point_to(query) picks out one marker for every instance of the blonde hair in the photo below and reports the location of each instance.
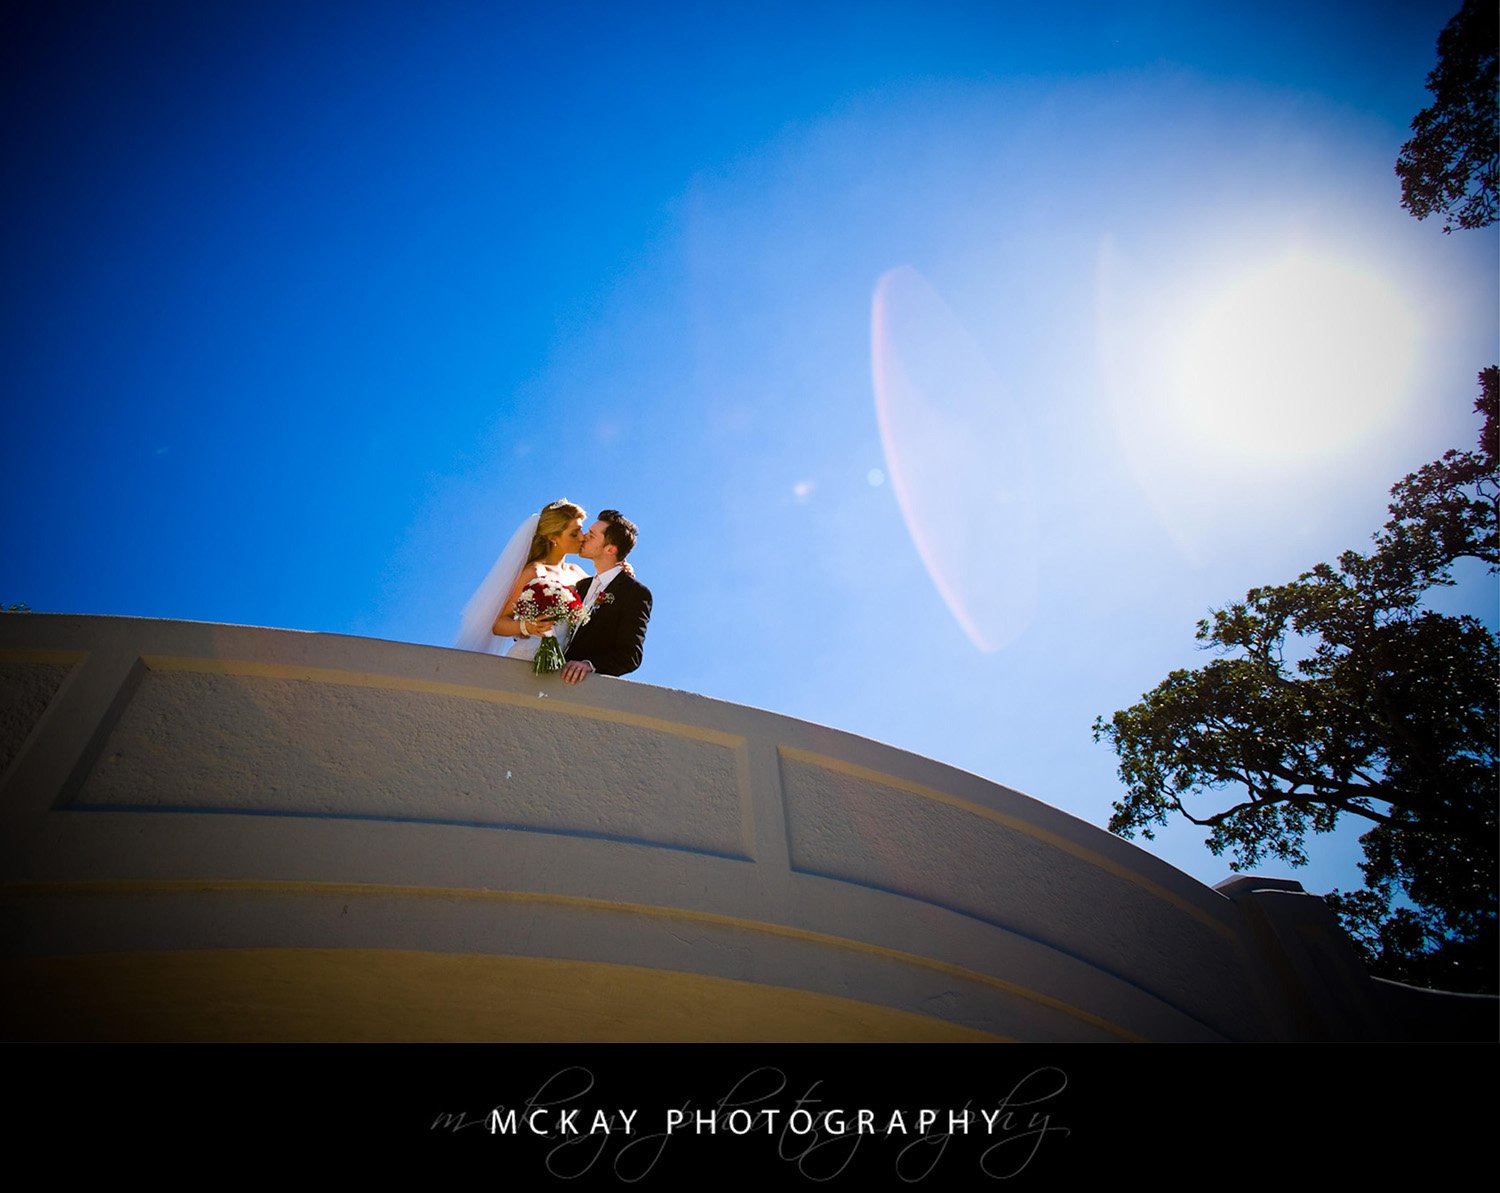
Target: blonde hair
(555, 518)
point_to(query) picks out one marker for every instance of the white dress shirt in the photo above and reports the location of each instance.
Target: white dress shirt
(601, 582)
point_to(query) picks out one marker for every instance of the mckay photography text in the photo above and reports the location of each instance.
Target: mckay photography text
(570, 1124)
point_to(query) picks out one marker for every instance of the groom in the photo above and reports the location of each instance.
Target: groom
(617, 605)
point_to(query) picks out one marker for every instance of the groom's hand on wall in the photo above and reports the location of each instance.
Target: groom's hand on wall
(577, 672)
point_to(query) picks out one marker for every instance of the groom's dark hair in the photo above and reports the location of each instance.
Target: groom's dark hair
(619, 532)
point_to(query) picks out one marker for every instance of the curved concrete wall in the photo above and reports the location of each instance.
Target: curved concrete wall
(219, 832)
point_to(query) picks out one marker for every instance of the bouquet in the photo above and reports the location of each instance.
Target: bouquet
(550, 600)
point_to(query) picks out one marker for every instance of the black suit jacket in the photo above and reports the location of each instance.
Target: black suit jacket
(615, 632)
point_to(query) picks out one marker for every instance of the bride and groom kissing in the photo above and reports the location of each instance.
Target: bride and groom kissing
(596, 623)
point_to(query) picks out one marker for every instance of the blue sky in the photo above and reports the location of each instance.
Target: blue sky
(954, 359)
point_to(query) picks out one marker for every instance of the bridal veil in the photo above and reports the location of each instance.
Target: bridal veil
(475, 631)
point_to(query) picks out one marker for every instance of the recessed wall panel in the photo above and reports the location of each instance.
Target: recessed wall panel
(25, 691)
(232, 742)
(847, 825)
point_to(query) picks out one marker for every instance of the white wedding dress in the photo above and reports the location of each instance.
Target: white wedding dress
(476, 628)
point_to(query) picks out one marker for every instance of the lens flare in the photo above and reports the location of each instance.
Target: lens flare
(1293, 359)
(958, 457)
(1246, 373)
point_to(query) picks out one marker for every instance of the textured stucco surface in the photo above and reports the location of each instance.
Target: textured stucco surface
(254, 820)
(25, 691)
(249, 743)
(857, 829)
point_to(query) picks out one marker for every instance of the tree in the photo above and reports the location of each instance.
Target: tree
(1339, 694)
(1450, 166)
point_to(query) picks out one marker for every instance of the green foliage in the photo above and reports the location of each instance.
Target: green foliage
(1449, 165)
(1338, 695)
(1446, 510)
(1411, 945)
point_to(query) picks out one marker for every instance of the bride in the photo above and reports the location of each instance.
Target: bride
(535, 552)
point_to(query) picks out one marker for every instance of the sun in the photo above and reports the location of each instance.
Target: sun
(1301, 357)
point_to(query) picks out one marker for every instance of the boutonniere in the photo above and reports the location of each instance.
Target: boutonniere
(604, 598)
